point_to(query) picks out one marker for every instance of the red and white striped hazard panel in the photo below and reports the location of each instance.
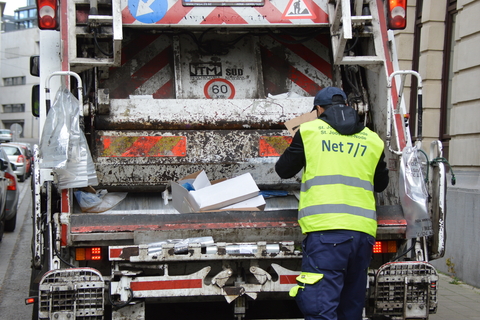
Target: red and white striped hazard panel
(178, 12)
(147, 67)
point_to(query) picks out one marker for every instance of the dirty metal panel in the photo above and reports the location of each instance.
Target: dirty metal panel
(192, 114)
(204, 222)
(186, 147)
(173, 12)
(391, 222)
(302, 68)
(221, 153)
(230, 75)
(145, 68)
(146, 177)
(239, 65)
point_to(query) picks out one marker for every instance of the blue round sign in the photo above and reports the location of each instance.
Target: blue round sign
(148, 11)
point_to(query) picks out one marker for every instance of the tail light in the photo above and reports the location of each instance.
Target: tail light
(12, 183)
(397, 14)
(385, 246)
(47, 12)
(20, 159)
(93, 253)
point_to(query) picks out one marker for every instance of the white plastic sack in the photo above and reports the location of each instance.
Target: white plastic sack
(98, 202)
(56, 133)
(63, 146)
(413, 195)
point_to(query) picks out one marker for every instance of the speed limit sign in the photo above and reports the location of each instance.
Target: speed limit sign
(219, 89)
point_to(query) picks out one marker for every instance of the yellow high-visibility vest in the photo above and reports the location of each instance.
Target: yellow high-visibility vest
(337, 182)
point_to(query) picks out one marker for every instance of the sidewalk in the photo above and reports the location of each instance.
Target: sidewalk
(456, 301)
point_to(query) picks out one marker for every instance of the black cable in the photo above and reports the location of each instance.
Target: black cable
(98, 46)
(428, 168)
(57, 253)
(404, 253)
(443, 160)
(116, 304)
(354, 42)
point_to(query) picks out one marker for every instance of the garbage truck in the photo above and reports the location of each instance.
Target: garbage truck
(167, 92)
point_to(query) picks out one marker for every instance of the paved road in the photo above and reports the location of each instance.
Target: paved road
(455, 301)
(15, 255)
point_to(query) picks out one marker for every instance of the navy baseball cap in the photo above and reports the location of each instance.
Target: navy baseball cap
(324, 96)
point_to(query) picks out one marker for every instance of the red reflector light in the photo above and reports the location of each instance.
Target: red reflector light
(385, 247)
(93, 253)
(397, 14)
(12, 183)
(30, 300)
(47, 14)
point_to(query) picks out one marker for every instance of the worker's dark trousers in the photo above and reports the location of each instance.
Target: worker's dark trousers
(343, 257)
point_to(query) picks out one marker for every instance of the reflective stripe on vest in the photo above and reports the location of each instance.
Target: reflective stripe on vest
(351, 181)
(336, 208)
(337, 183)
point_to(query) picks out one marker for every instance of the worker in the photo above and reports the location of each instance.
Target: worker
(343, 164)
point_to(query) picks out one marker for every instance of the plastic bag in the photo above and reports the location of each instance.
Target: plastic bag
(56, 133)
(413, 195)
(63, 146)
(98, 202)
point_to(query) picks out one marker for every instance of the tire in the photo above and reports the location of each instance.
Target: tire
(10, 224)
(22, 177)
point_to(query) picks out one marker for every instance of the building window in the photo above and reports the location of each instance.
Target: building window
(14, 81)
(32, 13)
(15, 107)
(25, 18)
(447, 74)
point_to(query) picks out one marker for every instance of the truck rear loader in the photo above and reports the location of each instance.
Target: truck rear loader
(169, 88)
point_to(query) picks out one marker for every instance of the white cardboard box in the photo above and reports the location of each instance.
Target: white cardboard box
(239, 193)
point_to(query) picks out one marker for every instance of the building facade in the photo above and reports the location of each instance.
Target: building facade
(16, 48)
(441, 42)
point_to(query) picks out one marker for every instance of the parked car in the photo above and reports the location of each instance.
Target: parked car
(5, 135)
(11, 205)
(4, 164)
(28, 155)
(16, 155)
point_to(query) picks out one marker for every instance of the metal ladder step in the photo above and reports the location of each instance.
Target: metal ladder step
(111, 31)
(342, 24)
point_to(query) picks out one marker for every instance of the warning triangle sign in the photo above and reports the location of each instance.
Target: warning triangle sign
(298, 9)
